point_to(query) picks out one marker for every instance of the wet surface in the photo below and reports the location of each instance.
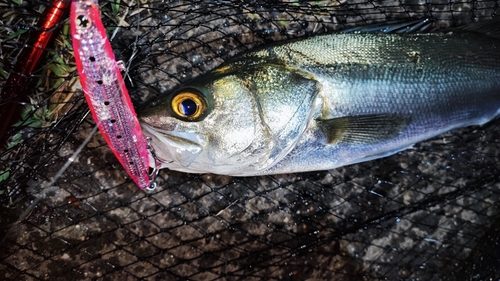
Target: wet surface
(428, 213)
(422, 213)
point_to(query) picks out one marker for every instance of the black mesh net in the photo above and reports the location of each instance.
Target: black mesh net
(428, 213)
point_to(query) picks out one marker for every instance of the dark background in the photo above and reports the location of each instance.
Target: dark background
(428, 213)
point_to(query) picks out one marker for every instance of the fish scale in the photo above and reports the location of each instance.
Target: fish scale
(106, 93)
(330, 100)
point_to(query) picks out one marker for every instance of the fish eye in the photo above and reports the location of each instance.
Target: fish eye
(83, 22)
(189, 104)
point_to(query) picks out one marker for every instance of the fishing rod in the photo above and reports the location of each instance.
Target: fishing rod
(17, 85)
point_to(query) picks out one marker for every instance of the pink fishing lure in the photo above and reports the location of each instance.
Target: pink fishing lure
(105, 91)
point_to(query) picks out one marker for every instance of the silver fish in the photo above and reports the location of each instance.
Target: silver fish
(328, 101)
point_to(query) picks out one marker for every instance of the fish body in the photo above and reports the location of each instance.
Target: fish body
(105, 91)
(328, 101)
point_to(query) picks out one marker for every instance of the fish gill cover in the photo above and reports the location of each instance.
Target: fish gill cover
(427, 213)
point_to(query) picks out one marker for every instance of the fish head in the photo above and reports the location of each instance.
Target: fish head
(233, 121)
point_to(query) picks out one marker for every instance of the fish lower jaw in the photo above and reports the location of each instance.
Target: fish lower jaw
(225, 170)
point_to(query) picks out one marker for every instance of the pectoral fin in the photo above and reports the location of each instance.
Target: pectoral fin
(363, 129)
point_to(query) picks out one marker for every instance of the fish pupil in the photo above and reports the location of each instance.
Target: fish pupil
(188, 107)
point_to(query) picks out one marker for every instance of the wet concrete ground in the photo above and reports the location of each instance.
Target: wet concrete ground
(428, 213)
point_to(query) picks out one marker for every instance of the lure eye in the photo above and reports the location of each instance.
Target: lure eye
(189, 104)
(83, 22)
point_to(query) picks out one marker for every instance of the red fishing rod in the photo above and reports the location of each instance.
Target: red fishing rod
(18, 82)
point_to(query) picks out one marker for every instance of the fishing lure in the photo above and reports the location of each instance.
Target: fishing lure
(15, 89)
(106, 93)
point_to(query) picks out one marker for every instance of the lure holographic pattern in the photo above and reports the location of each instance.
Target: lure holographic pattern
(105, 91)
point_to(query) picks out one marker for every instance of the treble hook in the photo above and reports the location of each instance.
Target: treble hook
(156, 170)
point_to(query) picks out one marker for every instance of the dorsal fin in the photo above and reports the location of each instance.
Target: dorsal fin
(396, 26)
(490, 28)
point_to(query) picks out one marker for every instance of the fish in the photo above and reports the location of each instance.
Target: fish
(328, 101)
(105, 92)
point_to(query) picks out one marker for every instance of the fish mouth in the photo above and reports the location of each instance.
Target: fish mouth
(175, 147)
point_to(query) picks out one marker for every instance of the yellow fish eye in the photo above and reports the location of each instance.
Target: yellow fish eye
(189, 104)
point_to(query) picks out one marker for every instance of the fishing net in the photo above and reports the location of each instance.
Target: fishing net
(428, 213)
